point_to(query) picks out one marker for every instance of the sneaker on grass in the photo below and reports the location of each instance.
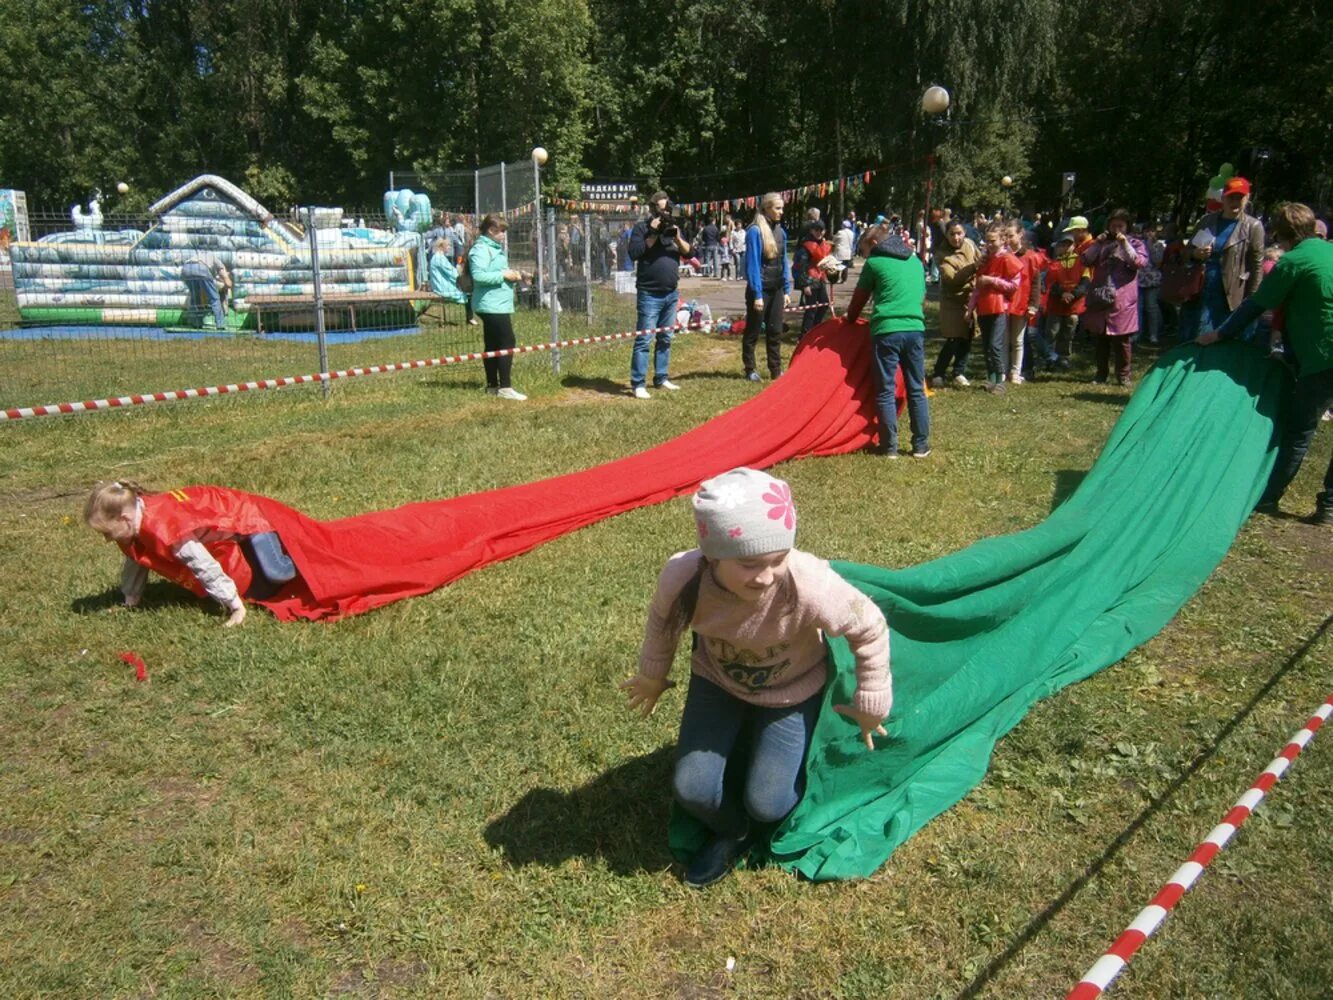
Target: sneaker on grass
(641, 393)
(508, 393)
(666, 383)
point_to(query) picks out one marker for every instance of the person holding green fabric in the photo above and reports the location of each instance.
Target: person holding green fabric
(1302, 283)
(895, 279)
(759, 610)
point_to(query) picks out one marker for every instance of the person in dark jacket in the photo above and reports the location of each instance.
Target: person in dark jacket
(656, 245)
(810, 273)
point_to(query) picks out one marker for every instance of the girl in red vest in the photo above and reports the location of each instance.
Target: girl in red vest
(1067, 282)
(810, 273)
(998, 279)
(214, 542)
(1023, 306)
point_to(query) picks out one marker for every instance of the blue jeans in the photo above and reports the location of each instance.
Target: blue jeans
(1150, 315)
(1039, 348)
(654, 311)
(1207, 312)
(710, 727)
(995, 335)
(201, 289)
(1303, 404)
(908, 350)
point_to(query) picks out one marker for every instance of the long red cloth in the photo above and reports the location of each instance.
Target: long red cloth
(822, 405)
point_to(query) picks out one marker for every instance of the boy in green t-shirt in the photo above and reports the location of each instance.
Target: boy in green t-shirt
(1301, 283)
(894, 278)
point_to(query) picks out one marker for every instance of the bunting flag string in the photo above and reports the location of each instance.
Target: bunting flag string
(818, 189)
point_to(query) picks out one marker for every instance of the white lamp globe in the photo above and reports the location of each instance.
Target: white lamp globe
(539, 155)
(1007, 181)
(123, 188)
(935, 101)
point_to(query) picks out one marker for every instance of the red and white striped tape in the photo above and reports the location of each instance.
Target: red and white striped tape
(176, 395)
(1099, 977)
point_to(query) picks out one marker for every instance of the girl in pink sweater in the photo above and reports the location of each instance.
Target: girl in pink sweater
(759, 610)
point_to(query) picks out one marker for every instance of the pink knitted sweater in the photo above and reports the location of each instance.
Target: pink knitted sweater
(771, 652)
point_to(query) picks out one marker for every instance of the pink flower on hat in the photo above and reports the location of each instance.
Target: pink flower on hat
(781, 508)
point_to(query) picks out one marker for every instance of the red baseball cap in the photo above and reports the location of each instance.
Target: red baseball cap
(1236, 185)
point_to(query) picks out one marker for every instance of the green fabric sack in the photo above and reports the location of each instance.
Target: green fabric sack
(980, 636)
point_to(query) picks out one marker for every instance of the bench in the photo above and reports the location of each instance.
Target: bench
(286, 303)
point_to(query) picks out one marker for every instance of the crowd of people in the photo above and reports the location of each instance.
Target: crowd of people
(1033, 290)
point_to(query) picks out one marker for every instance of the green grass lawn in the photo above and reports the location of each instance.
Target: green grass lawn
(446, 797)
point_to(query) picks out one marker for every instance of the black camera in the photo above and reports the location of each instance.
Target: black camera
(666, 225)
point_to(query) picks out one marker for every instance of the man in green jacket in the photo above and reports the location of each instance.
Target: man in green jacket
(1302, 282)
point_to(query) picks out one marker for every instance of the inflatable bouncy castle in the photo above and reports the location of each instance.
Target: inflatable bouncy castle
(124, 276)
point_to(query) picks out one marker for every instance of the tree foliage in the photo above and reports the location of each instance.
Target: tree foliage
(318, 101)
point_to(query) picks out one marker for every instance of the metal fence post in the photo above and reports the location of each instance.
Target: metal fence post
(587, 264)
(553, 287)
(319, 301)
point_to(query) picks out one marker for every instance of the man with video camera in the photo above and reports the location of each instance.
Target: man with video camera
(656, 245)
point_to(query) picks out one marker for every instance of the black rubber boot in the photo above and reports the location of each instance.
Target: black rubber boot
(1323, 510)
(715, 860)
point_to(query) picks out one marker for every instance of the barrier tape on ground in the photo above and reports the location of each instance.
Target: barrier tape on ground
(204, 392)
(1099, 977)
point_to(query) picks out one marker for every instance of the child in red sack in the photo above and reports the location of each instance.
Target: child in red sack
(213, 541)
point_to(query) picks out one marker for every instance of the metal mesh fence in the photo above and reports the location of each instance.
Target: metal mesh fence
(128, 306)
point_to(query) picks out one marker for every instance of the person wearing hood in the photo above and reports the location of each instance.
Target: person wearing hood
(810, 273)
(894, 278)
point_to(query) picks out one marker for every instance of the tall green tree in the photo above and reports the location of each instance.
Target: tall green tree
(69, 74)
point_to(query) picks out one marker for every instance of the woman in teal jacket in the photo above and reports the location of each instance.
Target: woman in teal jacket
(493, 300)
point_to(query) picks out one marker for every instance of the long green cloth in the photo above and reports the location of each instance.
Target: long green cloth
(980, 636)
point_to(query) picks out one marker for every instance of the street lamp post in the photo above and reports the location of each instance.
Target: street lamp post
(1006, 182)
(934, 102)
(538, 158)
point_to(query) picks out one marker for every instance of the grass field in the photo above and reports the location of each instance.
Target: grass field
(447, 798)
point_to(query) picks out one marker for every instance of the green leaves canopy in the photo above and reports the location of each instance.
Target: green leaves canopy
(318, 101)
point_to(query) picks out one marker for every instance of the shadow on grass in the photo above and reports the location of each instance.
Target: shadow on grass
(158, 594)
(1091, 396)
(476, 381)
(1094, 869)
(607, 386)
(732, 376)
(620, 817)
(1066, 482)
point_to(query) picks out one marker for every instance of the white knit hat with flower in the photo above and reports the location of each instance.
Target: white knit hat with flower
(744, 513)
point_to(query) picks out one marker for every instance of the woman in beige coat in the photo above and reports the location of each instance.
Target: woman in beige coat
(958, 275)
